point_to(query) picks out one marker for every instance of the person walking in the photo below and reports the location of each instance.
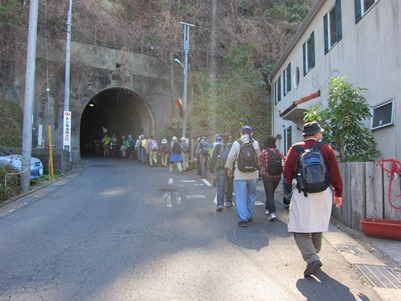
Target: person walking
(244, 167)
(123, 147)
(271, 168)
(309, 212)
(175, 154)
(202, 149)
(152, 149)
(164, 152)
(219, 172)
(129, 144)
(185, 153)
(106, 145)
(142, 149)
(113, 145)
(196, 156)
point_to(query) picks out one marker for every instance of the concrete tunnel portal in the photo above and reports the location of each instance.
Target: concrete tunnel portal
(121, 111)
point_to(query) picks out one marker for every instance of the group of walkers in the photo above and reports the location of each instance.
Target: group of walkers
(147, 151)
(310, 168)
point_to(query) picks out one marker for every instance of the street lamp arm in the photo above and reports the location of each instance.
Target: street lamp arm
(179, 62)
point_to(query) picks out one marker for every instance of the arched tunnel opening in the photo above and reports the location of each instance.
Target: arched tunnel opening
(118, 110)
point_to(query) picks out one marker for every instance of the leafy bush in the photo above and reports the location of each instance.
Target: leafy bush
(343, 121)
(9, 185)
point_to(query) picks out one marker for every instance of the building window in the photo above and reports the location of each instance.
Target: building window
(332, 26)
(309, 53)
(287, 79)
(297, 77)
(287, 139)
(361, 7)
(277, 91)
(383, 115)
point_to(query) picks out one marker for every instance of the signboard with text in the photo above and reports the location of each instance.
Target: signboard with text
(67, 130)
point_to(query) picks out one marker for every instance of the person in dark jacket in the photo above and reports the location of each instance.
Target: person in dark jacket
(270, 181)
(219, 172)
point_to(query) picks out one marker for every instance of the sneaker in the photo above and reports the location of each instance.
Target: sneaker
(267, 212)
(312, 268)
(271, 217)
(229, 204)
(243, 224)
(219, 208)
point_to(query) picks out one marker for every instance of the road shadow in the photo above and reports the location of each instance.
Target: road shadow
(322, 287)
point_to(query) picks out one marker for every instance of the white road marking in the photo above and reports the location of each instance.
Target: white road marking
(206, 182)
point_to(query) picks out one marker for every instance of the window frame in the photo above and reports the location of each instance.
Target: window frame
(277, 91)
(361, 10)
(376, 108)
(287, 134)
(287, 79)
(310, 43)
(327, 26)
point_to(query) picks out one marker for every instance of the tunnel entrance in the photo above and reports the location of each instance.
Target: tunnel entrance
(121, 111)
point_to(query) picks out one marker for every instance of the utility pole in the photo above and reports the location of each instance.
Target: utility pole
(29, 96)
(67, 113)
(186, 51)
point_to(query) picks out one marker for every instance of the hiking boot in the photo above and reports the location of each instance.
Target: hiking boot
(229, 204)
(219, 208)
(271, 217)
(312, 268)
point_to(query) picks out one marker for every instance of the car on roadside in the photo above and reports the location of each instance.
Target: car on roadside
(14, 160)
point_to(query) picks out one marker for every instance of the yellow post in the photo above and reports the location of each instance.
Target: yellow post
(49, 127)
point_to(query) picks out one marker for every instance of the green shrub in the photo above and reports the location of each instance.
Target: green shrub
(9, 184)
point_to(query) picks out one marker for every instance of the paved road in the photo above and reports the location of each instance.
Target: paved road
(109, 233)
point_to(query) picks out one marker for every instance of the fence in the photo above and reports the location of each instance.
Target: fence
(365, 194)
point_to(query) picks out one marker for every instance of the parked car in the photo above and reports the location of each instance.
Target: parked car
(15, 161)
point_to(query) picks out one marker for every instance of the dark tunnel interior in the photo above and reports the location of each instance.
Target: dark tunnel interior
(112, 109)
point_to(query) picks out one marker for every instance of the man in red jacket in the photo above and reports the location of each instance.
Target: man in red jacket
(309, 214)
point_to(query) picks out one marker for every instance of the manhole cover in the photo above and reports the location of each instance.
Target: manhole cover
(379, 276)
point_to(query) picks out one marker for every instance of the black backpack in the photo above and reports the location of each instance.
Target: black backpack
(204, 148)
(247, 160)
(274, 163)
(313, 174)
(223, 154)
(176, 148)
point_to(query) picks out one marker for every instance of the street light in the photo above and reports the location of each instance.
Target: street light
(185, 67)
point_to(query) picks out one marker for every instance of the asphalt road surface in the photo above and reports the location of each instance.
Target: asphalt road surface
(120, 230)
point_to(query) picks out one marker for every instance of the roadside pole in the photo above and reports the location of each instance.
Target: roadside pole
(29, 95)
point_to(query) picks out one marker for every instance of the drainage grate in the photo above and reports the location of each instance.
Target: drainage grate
(25, 200)
(379, 276)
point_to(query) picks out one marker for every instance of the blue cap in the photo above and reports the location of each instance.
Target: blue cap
(218, 137)
(246, 129)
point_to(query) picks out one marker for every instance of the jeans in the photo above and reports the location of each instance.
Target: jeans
(221, 185)
(245, 198)
(143, 155)
(270, 185)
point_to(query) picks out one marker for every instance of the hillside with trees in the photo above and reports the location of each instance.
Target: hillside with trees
(233, 46)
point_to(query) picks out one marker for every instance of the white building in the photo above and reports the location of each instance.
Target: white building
(360, 39)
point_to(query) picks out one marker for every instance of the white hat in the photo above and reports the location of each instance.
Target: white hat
(164, 141)
(174, 138)
(183, 138)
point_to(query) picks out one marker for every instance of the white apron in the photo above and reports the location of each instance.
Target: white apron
(310, 214)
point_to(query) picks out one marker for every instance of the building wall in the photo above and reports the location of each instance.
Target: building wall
(368, 54)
